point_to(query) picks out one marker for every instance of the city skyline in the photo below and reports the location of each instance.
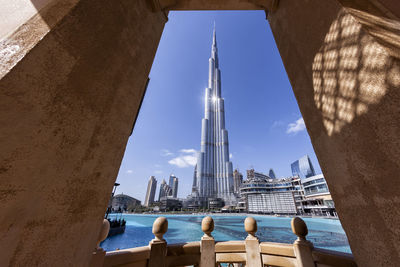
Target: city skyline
(266, 128)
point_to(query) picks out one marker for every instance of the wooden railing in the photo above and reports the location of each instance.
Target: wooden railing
(208, 253)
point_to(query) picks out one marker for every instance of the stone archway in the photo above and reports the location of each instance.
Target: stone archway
(71, 70)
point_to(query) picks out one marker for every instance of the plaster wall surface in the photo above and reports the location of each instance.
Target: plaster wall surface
(67, 109)
(342, 59)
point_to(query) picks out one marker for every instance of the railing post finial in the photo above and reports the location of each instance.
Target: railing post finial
(302, 247)
(207, 243)
(207, 226)
(299, 228)
(160, 227)
(253, 256)
(250, 225)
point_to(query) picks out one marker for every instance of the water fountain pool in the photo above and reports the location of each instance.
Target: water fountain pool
(324, 233)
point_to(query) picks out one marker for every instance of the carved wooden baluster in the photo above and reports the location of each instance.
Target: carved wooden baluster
(99, 253)
(158, 246)
(207, 243)
(302, 247)
(253, 256)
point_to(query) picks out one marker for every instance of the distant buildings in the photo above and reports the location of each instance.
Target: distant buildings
(271, 174)
(194, 185)
(121, 203)
(165, 190)
(237, 181)
(151, 191)
(170, 204)
(169, 190)
(292, 195)
(303, 167)
(317, 198)
(253, 175)
(273, 196)
(171, 180)
(173, 183)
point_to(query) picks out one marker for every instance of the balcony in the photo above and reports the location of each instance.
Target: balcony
(207, 252)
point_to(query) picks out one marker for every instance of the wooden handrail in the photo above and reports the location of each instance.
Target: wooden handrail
(333, 258)
(208, 252)
(127, 256)
(278, 249)
(230, 246)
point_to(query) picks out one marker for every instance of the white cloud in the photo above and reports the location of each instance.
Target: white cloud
(158, 172)
(296, 127)
(166, 153)
(157, 165)
(189, 151)
(230, 155)
(189, 158)
(129, 171)
(277, 124)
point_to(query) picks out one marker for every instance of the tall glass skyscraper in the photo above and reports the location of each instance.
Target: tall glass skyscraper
(303, 167)
(214, 176)
(151, 191)
(271, 174)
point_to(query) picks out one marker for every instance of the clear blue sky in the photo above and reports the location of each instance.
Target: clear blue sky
(262, 116)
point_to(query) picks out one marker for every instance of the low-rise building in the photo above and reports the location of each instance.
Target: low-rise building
(271, 196)
(317, 198)
(308, 196)
(215, 203)
(121, 203)
(170, 204)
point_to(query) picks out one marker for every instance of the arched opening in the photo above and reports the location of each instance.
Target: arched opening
(265, 126)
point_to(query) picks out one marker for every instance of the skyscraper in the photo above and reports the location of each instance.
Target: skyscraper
(151, 191)
(271, 174)
(237, 181)
(171, 180)
(214, 170)
(194, 186)
(303, 167)
(165, 190)
(175, 187)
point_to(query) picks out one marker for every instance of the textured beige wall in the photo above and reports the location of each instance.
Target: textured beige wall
(343, 64)
(67, 109)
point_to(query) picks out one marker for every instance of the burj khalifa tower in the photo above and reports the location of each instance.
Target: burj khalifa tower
(213, 175)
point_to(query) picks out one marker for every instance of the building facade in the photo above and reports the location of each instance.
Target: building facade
(271, 174)
(170, 204)
(214, 174)
(253, 175)
(165, 190)
(151, 191)
(171, 180)
(174, 187)
(317, 198)
(303, 167)
(293, 195)
(237, 181)
(122, 203)
(271, 196)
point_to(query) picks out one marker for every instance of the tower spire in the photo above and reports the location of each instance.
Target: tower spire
(214, 36)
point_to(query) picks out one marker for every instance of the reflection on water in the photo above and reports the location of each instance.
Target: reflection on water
(324, 233)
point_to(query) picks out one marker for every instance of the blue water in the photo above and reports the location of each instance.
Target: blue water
(324, 233)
